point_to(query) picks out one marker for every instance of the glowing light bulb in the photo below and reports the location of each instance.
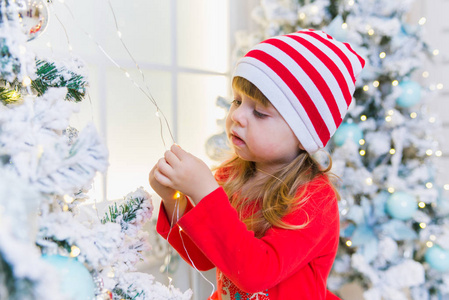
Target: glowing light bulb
(432, 120)
(438, 153)
(344, 25)
(369, 181)
(421, 204)
(68, 199)
(422, 21)
(351, 2)
(425, 74)
(422, 225)
(446, 186)
(65, 207)
(376, 83)
(413, 115)
(382, 55)
(429, 185)
(74, 251)
(429, 244)
(302, 16)
(392, 151)
(394, 83)
(26, 81)
(388, 118)
(436, 52)
(429, 152)
(365, 88)
(440, 86)
(348, 243)
(314, 9)
(361, 142)
(363, 118)
(371, 31)
(390, 190)
(362, 152)
(432, 237)
(390, 112)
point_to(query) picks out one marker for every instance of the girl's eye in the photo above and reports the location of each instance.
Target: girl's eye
(236, 102)
(259, 114)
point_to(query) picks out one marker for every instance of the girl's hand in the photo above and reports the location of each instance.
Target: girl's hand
(186, 173)
(169, 196)
(166, 193)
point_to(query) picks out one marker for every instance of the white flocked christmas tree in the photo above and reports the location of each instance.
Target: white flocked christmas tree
(394, 239)
(47, 250)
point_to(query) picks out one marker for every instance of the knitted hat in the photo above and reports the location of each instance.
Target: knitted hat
(308, 77)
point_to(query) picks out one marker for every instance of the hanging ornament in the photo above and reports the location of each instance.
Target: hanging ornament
(33, 16)
(347, 131)
(76, 281)
(217, 146)
(401, 205)
(410, 95)
(437, 258)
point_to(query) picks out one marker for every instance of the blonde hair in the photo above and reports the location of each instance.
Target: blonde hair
(276, 194)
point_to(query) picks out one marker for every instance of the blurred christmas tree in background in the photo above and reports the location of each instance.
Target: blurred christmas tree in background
(48, 250)
(394, 215)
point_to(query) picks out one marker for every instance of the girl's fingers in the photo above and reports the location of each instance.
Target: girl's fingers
(164, 168)
(171, 158)
(161, 178)
(180, 153)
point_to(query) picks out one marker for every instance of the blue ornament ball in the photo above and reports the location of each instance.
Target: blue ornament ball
(336, 30)
(76, 281)
(401, 205)
(347, 131)
(410, 95)
(437, 258)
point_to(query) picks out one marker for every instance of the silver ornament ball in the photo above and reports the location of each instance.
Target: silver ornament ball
(33, 16)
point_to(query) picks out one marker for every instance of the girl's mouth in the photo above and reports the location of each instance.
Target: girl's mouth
(236, 140)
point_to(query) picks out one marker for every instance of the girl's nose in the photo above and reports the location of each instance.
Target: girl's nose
(238, 116)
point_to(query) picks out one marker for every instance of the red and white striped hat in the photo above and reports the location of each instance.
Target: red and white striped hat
(308, 77)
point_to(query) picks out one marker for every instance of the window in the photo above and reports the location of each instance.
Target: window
(182, 48)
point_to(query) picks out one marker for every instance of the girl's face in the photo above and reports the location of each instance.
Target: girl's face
(259, 133)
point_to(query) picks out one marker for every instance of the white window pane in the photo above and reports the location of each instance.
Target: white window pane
(133, 130)
(197, 111)
(145, 29)
(203, 34)
(63, 28)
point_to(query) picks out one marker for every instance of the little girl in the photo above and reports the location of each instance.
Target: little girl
(268, 220)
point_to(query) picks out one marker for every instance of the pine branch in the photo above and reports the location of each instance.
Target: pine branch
(8, 96)
(127, 210)
(51, 76)
(125, 294)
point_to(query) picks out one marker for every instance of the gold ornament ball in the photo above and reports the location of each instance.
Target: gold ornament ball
(33, 16)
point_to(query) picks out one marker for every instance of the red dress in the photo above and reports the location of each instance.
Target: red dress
(283, 264)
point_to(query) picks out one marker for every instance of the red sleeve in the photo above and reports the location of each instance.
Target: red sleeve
(180, 241)
(257, 264)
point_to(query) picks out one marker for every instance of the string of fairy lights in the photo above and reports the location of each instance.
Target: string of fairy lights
(75, 251)
(389, 114)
